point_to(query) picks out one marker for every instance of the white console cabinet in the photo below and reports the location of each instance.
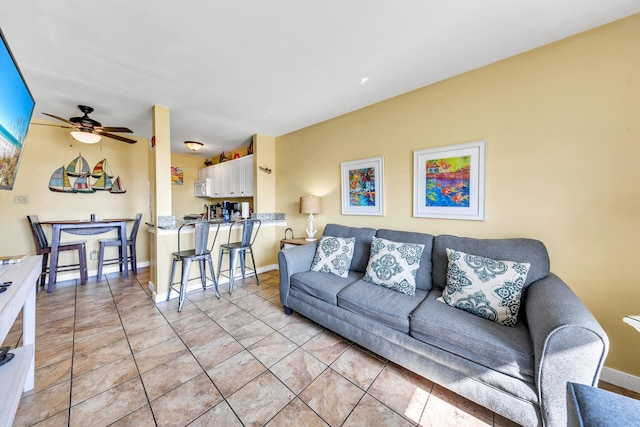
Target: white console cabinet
(17, 375)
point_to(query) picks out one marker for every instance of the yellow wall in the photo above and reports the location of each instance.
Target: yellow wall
(563, 144)
(48, 148)
(264, 157)
(183, 200)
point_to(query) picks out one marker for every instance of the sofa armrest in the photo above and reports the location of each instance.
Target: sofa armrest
(569, 344)
(296, 259)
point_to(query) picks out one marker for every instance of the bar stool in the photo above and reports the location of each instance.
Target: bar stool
(250, 228)
(43, 248)
(122, 258)
(200, 254)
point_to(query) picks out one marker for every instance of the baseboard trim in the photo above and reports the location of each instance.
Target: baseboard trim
(65, 276)
(621, 379)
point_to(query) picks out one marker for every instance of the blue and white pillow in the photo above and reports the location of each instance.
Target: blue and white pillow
(334, 255)
(485, 287)
(394, 265)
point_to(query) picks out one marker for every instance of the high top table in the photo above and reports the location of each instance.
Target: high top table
(84, 228)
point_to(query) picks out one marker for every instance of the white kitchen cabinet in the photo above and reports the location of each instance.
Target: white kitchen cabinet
(246, 189)
(233, 178)
(203, 173)
(220, 180)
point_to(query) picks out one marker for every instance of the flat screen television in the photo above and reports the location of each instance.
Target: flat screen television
(16, 108)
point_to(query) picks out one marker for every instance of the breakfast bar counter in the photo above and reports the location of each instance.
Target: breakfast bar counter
(265, 248)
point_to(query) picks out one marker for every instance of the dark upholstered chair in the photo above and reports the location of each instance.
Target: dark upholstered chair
(122, 258)
(43, 248)
(200, 253)
(250, 228)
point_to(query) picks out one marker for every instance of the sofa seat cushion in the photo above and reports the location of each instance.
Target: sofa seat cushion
(380, 304)
(323, 285)
(506, 350)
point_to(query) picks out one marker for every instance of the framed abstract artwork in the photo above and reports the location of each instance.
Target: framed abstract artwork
(449, 181)
(362, 187)
(177, 175)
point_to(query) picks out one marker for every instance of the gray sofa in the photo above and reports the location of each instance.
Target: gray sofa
(518, 372)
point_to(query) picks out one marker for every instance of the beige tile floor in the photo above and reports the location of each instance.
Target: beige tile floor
(107, 355)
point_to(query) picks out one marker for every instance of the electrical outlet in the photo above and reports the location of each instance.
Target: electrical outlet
(20, 200)
(93, 255)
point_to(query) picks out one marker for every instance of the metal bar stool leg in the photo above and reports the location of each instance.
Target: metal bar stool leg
(203, 273)
(253, 261)
(232, 268)
(172, 276)
(242, 262)
(220, 264)
(186, 265)
(213, 278)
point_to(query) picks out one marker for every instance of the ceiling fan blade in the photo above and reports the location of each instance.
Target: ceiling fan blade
(49, 124)
(114, 129)
(118, 137)
(62, 120)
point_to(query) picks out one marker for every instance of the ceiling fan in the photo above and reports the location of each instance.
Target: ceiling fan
(89, 131)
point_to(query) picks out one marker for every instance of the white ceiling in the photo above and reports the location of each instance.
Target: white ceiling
(229, 69)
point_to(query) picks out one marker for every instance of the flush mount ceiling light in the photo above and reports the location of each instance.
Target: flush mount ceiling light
(193, 145)
(86, 137)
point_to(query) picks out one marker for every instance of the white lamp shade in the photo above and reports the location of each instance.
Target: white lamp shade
(85, 137)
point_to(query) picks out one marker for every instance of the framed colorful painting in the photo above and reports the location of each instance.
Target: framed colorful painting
(177, 175)
(449, 181)
(362, 187)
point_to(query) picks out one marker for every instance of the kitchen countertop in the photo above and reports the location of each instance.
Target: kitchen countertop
(272, 219)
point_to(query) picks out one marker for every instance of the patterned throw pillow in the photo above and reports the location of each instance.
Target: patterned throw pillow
(485, 287)
(394, 265)
(334, 255)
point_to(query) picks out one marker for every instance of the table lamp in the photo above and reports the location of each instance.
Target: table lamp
(310, 205)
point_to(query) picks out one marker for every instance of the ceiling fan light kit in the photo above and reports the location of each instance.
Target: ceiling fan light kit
(193, 145)
(85, 137)
(89, 131)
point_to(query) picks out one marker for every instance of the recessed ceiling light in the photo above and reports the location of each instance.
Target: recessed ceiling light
(364, 80)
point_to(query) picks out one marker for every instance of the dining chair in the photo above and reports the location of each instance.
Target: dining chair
(250, 228)
(43, 248)
(200, 253)
(122, 258)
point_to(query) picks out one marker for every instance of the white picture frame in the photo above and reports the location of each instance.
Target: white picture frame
(449, 181)
(363, 186)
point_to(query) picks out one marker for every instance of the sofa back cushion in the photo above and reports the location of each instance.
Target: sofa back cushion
(423, 275)
(519, 249)
(362, 247)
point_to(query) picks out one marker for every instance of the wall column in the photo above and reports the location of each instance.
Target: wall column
(160, 187)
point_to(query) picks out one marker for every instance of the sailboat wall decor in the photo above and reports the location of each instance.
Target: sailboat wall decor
(117, 187)
(81, 185)
(59, 181)
(79, 168)
(101, 168)
(103, 183)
